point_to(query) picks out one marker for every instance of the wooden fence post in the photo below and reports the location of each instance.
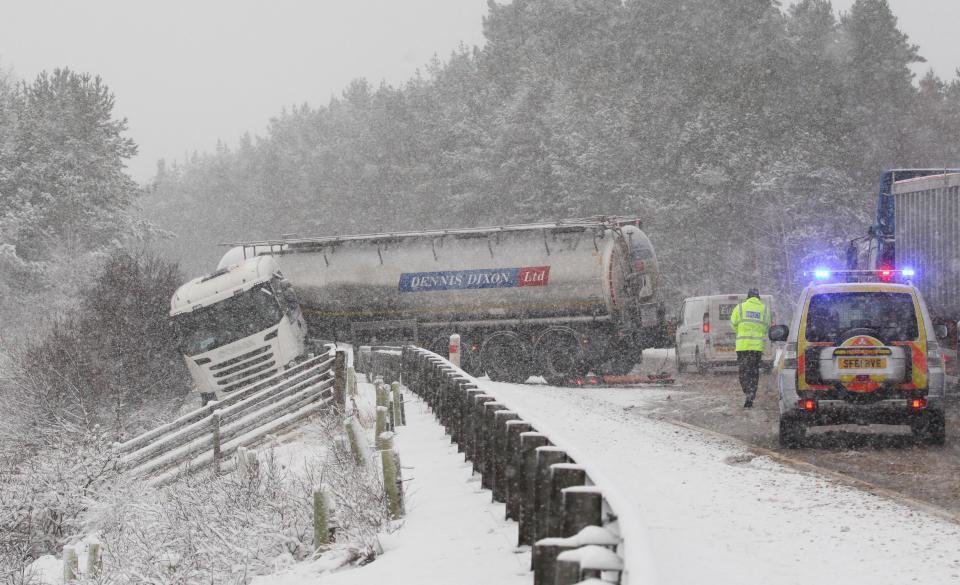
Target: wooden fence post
(391, 484)
(321, 518)
(340, 380)
(70, 564)
(215, 418)
(94, 562)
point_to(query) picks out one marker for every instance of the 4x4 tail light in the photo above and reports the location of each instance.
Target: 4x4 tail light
(918, 403)
(807, 404)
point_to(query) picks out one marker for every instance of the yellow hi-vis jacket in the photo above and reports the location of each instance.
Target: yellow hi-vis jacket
(750, 320)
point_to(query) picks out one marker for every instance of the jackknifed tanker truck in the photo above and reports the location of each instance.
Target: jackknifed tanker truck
(554, 299)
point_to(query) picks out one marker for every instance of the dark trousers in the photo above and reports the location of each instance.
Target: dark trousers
(748, 365)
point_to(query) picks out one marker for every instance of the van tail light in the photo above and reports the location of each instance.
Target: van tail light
(807, 404)
(790, 355)
(918, 403)
(706, 323)
(934, 359)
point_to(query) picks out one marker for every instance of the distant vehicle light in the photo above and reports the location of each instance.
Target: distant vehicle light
(821, 274)
(918, 403)
(908, 272)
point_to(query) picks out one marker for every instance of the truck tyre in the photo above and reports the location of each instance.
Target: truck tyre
(930, 428)
(560, 356)
(506, 357)
(792, 433)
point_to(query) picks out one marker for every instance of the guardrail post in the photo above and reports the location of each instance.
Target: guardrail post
(513, 470)
(529, 443)
(476, 431)
(581, 506)
(340, 380)
(543, 559)
(498, 453)
(546, 457)
(562, 476)
(486, 442)
(469, 424)
(215, 422)
(586, 562)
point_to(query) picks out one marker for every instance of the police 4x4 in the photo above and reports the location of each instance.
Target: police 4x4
(860, 353)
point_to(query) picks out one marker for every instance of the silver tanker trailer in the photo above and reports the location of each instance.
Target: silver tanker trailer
(555, 299)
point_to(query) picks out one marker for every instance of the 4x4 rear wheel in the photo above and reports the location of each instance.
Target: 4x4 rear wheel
(792, 433)
(930, 428)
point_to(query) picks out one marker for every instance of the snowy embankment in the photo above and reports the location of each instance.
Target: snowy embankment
(717, 514)
(452, 532)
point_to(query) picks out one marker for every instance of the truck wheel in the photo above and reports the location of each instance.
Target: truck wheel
(560, 357)
(931, 428)
(792, 433)
(506, 357)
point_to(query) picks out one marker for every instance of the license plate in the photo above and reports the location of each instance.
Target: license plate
(862, 363)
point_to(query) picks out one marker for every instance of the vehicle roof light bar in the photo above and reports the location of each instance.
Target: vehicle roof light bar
(878, 275)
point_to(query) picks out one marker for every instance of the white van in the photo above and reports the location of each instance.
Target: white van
(704, 338)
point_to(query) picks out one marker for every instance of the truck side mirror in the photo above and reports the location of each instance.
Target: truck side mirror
(778, 333)
(940, 330)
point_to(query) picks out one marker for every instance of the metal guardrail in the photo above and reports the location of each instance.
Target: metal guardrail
(577, 523)
(245, 417)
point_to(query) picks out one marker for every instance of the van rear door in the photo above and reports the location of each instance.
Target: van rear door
(723, 340)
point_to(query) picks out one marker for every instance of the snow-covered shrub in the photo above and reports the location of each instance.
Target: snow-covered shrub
(228, 529)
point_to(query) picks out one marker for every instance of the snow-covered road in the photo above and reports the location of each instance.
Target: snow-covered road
(716, 514)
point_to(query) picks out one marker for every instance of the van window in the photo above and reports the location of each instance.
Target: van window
(889, 316)
(725, 309)
(690, 314)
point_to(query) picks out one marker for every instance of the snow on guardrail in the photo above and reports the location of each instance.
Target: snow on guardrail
(560, 501)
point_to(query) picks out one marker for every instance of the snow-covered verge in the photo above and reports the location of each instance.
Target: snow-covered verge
(715, 513)
(452, 532)
(252, 521)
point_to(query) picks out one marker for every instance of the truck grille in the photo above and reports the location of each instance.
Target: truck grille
(244, 369)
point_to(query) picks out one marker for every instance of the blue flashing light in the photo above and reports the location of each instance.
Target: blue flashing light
(821, 274)
(908, 272)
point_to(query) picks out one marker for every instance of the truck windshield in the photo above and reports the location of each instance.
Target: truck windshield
(887, 316)
(227, 321)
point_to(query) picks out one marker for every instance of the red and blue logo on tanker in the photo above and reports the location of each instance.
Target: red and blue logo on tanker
(474, 279)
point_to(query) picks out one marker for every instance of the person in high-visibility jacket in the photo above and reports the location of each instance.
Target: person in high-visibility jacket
(750, 320)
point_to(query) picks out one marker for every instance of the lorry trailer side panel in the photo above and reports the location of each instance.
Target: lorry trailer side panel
(928, 239)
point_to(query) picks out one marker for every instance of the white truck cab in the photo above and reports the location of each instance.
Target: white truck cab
(238, 325)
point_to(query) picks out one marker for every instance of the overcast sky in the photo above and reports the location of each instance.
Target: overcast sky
(186, 73)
